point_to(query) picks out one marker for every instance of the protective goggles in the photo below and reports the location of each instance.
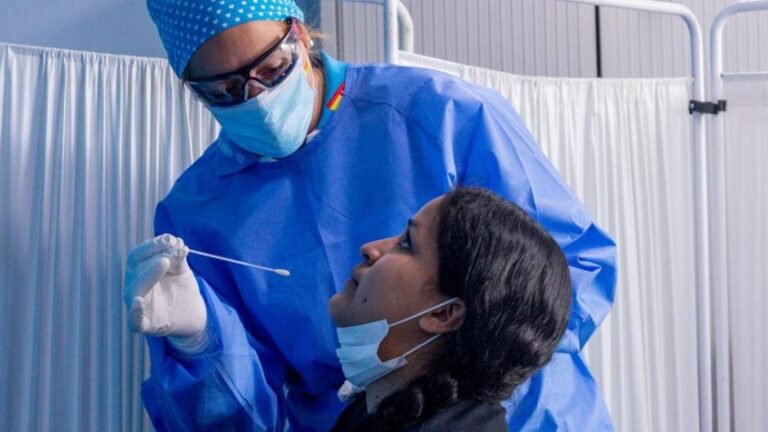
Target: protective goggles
(267, 71)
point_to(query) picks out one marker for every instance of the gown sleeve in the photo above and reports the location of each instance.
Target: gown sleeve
(224, 388)
(485, 143)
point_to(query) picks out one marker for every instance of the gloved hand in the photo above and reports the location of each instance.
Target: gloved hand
(162, 295)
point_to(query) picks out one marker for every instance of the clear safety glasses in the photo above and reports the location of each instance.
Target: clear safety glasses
(267, 71)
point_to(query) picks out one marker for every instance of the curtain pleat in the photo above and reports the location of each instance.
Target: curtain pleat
(745, 132)
(88, 144)
(625, 148)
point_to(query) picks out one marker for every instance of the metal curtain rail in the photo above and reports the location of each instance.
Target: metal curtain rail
(398, 26)
(701, 207)
(723, 390)
(716, 42)
(701, 196)
(394, 9)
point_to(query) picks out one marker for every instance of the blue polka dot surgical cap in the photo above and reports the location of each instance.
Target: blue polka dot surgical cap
(184, 25)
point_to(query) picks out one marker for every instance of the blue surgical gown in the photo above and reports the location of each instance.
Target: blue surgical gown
(400, 137)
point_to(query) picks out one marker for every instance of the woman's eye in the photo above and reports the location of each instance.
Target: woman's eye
(224, 91)
(273, 71)
(405, 241)
(269, 73)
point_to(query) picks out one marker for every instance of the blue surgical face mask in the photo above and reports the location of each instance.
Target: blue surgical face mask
(359, 349)
(274, 123)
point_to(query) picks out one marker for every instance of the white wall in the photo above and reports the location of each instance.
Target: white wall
(549, 37)
(113, 26)
(645, 45)
(533, 37)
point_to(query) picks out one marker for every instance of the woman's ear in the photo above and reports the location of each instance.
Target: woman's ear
(305, 37)
(446, 319)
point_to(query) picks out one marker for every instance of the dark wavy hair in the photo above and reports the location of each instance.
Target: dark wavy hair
(514, 281)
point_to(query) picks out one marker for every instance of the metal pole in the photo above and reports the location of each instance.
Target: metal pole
(723, 391)
(405, 23)
(701, 217)
(390, 31)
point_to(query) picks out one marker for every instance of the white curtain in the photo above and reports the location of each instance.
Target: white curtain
(88, 144)
(625, 147)
(745, 137)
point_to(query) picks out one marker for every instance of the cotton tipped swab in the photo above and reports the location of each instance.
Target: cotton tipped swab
(281, 272)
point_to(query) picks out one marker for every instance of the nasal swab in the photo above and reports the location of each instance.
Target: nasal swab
(281, 272)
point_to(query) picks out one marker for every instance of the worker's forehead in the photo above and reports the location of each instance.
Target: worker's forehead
(234, 48)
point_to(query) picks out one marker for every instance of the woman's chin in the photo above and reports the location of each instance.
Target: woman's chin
(338, 305)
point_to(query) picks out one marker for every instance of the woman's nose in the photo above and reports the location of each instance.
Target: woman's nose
(374, 250)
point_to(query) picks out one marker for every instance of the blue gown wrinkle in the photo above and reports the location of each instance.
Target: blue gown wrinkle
(400, 137)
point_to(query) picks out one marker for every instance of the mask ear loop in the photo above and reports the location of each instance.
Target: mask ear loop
(348, 390)
(426, 311)
(421, 345)
(422, 313)
(308, 70)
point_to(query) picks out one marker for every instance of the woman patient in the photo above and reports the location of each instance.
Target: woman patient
(476, 296)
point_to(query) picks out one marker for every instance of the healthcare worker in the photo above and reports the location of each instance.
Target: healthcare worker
(316, 157)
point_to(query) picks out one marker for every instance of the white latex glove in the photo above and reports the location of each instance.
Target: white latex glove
(162, 295)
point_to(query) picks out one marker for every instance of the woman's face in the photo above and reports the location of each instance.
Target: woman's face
(241, 45)
(396, 279)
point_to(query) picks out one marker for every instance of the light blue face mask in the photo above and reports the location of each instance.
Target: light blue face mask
(359, 349)
(274, 123)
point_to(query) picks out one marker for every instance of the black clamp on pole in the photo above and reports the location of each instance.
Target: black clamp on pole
(713, 108)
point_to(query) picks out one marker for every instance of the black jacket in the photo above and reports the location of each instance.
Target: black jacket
(466, 415)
